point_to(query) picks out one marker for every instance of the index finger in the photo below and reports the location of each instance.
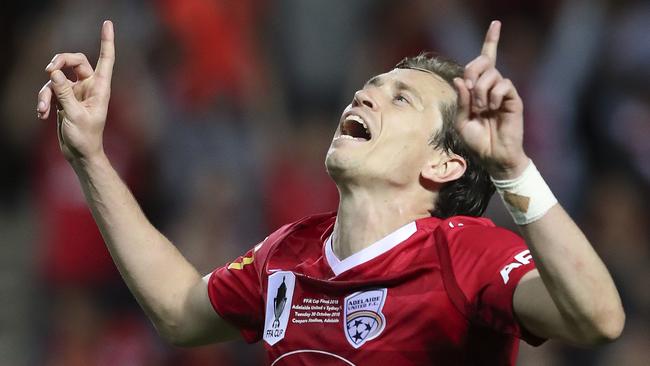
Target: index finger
(106, 60)
(492, 41)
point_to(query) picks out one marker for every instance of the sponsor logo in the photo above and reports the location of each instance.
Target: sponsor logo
(278, 295)
(522, 258)
(364, 320)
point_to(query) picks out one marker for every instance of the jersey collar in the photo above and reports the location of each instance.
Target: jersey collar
(372, 251)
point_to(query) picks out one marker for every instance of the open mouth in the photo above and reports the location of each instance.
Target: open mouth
(354, 127)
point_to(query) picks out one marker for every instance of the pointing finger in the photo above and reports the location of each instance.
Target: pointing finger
(106, 60)
(491, 41)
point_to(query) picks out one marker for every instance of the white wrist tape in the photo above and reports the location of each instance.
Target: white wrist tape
(526, 197)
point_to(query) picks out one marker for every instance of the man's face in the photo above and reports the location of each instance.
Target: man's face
(384, 134)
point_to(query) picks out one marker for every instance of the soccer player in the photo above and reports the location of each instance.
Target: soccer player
(406, 271)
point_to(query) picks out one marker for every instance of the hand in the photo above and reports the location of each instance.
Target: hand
(490, 118)
(84, 102)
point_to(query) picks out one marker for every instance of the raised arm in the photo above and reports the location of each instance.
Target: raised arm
(168, 288)
(571, 296)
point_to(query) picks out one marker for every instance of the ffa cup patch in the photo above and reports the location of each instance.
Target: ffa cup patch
(278, 305)
(364, 320)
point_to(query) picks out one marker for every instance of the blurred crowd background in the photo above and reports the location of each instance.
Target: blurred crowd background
(220, 117)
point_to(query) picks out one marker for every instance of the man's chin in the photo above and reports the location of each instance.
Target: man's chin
(339, 166)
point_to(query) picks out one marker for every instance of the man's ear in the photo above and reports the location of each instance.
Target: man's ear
(444, 168)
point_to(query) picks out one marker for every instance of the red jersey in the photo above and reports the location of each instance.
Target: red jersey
(433, 292)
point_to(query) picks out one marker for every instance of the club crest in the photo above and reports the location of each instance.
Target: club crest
(364, 320)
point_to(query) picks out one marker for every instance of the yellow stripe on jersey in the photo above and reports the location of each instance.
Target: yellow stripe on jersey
(240, 265)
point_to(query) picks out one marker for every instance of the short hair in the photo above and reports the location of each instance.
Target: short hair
(470, 194)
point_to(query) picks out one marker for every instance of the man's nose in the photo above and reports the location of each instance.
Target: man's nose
(362, 97)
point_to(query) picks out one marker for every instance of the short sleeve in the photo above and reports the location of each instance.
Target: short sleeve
(487, 263)
(235, 292)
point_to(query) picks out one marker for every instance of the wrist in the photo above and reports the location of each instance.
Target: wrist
(511, 170)
(527, 196)
(83, 163)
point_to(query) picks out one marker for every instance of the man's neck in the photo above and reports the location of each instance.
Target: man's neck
(364, 218)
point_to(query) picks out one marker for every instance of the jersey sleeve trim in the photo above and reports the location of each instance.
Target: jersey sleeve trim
(513, 280)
